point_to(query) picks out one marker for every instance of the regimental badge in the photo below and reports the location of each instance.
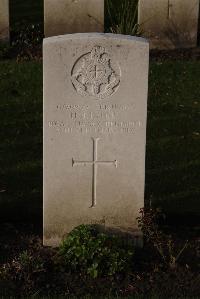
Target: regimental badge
(94, 74)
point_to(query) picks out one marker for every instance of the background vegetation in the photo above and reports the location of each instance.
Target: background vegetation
(121, 17)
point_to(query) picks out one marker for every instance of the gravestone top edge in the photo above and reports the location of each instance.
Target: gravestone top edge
(94, 35)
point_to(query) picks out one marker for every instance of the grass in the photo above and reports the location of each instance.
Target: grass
(173, 137)
(21, 141)
(173, 140)
(121, 17)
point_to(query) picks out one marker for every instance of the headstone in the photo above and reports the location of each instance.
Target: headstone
(95, 106)
(73, 16)
(169, 23)
(4, 20)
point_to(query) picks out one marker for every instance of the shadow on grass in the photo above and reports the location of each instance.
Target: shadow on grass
(21, 146)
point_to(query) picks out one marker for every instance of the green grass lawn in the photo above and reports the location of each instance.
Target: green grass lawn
(21, 141)
(173, 137)
(173, 140)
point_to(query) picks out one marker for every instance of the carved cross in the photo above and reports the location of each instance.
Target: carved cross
(94, 163)
(96, 71)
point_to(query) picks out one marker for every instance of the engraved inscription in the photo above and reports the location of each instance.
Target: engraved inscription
(94, 74)
(102, 119)
(94, 164)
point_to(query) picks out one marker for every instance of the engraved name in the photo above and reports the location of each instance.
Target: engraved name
(101, 118)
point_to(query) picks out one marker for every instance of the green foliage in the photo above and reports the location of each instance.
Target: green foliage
(81, 266)
(27, 41)
(87, 251)
(121, 17)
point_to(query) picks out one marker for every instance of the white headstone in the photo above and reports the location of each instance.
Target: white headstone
(95, 106)
(4, 20)
(73, 16)
(169, 23)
